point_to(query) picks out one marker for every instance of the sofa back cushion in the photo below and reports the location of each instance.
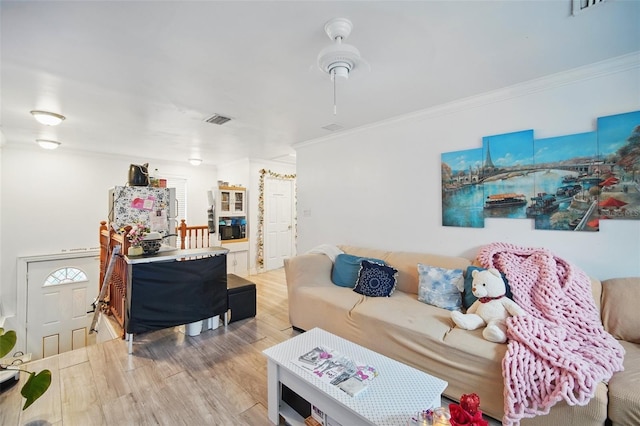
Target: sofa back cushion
(620, 302)
(365, 252)
(407, 264)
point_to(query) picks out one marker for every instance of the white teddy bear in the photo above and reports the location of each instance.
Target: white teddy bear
(491, 309)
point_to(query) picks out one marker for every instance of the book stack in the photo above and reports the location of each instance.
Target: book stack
(329, 366)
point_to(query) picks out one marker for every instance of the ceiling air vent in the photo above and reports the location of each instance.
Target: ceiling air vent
(332, 127)
(217, 119)
(582, 5)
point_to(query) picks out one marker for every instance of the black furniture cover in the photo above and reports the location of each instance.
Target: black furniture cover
(169, 293)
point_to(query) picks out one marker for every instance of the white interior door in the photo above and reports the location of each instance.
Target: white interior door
(278, 221)
(59, 294)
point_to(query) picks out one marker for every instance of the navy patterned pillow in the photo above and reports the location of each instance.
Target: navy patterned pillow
(376, 280)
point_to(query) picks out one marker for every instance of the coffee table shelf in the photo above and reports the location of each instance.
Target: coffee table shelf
(392, 398)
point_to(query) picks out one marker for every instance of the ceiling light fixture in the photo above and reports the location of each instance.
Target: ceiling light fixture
(195, 161)
(47, 118)
(48, 144)
(340, 58)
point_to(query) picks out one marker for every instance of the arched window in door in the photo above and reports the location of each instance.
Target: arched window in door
(65, 276)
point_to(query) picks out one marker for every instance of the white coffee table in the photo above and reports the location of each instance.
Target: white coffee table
(392, 398)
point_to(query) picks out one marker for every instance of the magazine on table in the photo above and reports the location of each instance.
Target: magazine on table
(336, 369)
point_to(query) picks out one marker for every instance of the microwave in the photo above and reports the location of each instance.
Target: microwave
(232, 228)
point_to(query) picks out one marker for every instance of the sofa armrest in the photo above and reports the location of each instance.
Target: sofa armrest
(308, 270)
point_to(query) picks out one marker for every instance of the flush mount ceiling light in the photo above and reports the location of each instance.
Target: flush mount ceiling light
(48, 144)
(195, 161)
(47, 118)
(339, 59)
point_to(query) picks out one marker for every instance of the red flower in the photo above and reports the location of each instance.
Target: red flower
(470, 403)
(460, 417)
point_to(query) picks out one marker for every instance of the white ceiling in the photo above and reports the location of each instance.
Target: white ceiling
(139, 77)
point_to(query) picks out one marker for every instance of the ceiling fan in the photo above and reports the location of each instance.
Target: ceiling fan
(339, 58)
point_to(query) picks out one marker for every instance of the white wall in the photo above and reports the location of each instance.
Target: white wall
(379, 186)
(53, 201)
(247, 173)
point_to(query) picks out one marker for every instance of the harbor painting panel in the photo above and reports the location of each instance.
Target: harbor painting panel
(567, 169)
(462, 194)
(564, 183)
(506, 174)
(619, 145)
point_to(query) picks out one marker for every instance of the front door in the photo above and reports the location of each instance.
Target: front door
(59, 294)
(278, 222)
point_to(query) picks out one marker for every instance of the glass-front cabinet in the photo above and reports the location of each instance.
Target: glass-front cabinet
(232, 200)
(231, 216)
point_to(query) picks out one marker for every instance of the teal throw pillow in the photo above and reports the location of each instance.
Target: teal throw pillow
(346, 269)
(440, 287)
(467, 297)
(376, 280)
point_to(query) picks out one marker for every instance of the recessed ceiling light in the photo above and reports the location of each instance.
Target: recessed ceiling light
(195, 161)
(48, 144)
(48, 118)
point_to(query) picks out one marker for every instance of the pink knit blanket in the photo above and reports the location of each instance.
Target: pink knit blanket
(558, 351)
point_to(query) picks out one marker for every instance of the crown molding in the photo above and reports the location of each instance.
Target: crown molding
(595, 70)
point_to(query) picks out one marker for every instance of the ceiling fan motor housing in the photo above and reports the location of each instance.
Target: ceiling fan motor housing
(339, 58)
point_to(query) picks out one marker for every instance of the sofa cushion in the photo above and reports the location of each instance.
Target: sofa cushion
(620, 302)
(467, 296)
(325, 307)
(346, 269)
(440, 287)
(478, 368)
(399, 314)
(376, 280)
(624, 398)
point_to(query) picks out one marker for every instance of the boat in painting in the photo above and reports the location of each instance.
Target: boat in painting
(505, 200)
(569, 179)
(568, 190)
(543, 203)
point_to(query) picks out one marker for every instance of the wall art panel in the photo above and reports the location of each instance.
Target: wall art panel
(567, 183)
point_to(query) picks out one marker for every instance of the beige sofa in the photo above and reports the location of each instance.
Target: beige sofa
(426, 338)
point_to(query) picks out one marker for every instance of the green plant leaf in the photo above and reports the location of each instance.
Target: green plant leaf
(36, 386)
(7, 342)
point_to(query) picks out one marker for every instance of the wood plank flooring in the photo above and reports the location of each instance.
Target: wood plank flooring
(216, 378)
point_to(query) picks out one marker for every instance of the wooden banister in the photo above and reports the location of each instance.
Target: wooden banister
(193, 236)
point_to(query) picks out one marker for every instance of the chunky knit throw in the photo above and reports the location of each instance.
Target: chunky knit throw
(559, 350)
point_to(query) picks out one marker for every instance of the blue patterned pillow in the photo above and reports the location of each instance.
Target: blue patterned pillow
(376, 280)
(440, 287)
(346, 269)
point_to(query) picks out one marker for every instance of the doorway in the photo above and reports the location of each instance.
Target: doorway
(279, 221)
(59, 294)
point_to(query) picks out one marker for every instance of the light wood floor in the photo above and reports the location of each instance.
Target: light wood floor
(216, 378)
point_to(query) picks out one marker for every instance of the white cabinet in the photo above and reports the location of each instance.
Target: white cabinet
(238, 262)
(232, 227)
(231, 214)
(232, 200)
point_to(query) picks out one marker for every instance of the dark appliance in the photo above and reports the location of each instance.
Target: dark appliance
(139, 174)
(232, 228)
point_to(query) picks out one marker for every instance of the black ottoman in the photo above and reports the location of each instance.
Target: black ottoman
(241, 298)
